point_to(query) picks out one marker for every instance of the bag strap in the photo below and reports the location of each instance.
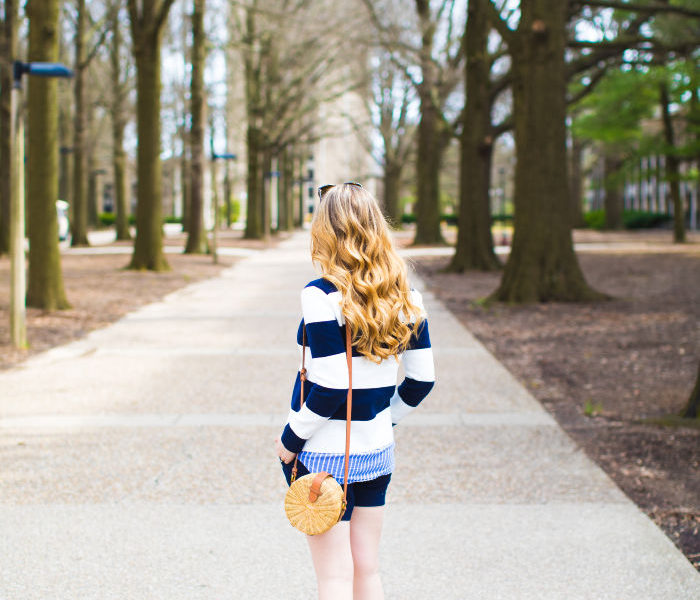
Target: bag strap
(302, 376)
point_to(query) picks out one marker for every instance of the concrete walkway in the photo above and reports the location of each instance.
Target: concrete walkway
(138, 463)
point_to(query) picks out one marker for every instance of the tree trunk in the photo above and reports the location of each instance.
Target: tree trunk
(45, 285)
(392, 185)
(92, 184)
(185, 183)
(576, 182)
(196, 238)
(542, 265)
(214, 206)
(80, 175)
(428, 161)
(254, 135)
(120, 191)
(695, 111)
(65, 140)
(253, 227)
(121, 204)
(227, 194)
(673, 174)
(430, 148)
(289, 197)
(474, 239)
(266, 182)
(92, 198)
(612, 165)
(299, 219)
(657, 184)
(282, 191)
(692, 408)
(148, 246)
(9, 52)
(285, 204)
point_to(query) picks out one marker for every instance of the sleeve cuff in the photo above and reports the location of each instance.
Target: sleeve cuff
(399, 409)
(291, 441)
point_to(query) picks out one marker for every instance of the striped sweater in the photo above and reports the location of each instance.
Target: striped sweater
(316, 430)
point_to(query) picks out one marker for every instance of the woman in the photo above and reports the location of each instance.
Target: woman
(364, 284)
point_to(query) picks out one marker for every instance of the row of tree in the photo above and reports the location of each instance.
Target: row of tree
(525, 69)
(532, 68)
(555, 75)
(539, 70)
(283, 51)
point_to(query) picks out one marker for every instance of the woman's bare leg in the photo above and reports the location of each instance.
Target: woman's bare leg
(365, 531)
(332, 559)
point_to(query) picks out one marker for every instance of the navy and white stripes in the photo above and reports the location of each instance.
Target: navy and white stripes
(317, 430)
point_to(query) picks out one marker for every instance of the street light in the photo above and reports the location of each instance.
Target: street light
(18, 283)
(214, 158)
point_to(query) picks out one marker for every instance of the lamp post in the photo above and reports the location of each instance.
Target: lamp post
(18, 282)
(214, 239)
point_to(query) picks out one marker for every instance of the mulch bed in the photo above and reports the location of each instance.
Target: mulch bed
(630, 358)
(101, 291)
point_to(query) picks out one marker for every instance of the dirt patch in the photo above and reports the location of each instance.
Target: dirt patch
(101, 291)
(619, 361)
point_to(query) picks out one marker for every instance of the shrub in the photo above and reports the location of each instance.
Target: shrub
(637, 219)
(411, 218)
(449, 219)
(631, 219)
(595, 219)
(107, 219)
(501, 217)
(235, 211)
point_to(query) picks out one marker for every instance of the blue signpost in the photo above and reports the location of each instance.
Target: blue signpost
(18, 283)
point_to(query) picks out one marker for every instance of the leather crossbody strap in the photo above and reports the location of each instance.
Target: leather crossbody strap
(318, 480)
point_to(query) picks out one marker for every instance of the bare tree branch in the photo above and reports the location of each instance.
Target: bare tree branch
(595, 78)
(505, 125)
(391, 39)
(163, 13)
(498, 23)
(105, 29)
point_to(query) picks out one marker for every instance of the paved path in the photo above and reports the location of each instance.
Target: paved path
(138, 463)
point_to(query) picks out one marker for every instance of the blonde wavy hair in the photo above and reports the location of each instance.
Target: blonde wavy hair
(351, 243)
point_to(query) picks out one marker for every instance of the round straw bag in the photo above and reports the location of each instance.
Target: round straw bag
(316, 502)
(314, 508)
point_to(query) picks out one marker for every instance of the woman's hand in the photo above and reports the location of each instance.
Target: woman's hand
(285, 455)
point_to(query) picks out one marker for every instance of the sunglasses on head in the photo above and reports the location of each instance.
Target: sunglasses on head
(324, 188)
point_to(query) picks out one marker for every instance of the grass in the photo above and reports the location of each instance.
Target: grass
(670, 421)
(591, 409)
